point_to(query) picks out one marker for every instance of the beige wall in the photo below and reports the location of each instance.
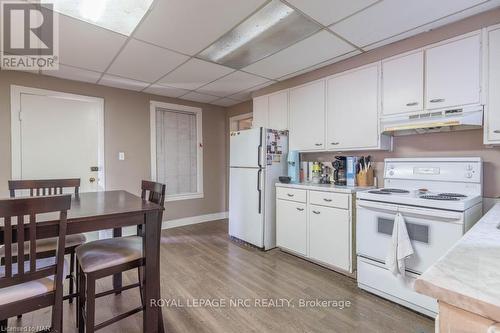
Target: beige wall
(466, 143)
(127, 129)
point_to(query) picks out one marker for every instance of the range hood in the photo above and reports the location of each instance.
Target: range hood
(456, 119)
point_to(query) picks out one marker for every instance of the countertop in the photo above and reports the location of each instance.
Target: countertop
(324, 187)
(468, 276)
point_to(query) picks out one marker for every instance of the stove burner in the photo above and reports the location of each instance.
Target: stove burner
(378, 192)
(439, 197)
(453, 195)
(394, 190)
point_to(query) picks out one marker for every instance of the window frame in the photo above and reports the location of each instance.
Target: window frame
(199, 156)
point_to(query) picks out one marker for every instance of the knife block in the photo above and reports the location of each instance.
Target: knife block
(365, 178)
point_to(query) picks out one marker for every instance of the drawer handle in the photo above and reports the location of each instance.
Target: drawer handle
(437, 100)
(496, 131)
(412, 104)
(316, 212)
(334, 143)
(318, 144)
(300, 209)
(327, 200)
(290, 194)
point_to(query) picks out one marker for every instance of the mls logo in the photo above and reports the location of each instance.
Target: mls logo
(28, 36)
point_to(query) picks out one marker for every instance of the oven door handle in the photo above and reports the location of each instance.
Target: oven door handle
(433, 214)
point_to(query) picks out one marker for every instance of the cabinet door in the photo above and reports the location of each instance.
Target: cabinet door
(493, 104)
(291, 226)
(307, 117)
(453, 73)
(352, 115)
(329, 236)
(278, 110)
(260, 111)
(403, 84)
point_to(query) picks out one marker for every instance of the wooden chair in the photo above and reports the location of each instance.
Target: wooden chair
(106, 257)
(46, 247)
(33, 284)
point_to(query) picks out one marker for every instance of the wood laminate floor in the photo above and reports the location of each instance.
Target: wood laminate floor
(200, 264)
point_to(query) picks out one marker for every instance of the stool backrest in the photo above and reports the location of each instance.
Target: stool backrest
(24, 212)
(39, 187)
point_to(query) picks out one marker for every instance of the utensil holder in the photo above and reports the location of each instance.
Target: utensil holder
(365, 178)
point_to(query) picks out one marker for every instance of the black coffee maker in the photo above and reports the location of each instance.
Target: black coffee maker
(339, 170)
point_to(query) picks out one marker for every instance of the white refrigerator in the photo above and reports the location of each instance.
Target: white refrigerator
(258, 156)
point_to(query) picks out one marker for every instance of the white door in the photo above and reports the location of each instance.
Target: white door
(453, 73)
(278, 110)
(58, 136)
(403, 84)
(329, 236)
(307, 116)
(246, 205)
(245, 148)
(260, 111)
(493, 104)
(352, 114)
(291, 226)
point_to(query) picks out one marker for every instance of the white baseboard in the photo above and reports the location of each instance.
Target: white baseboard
(194, 220)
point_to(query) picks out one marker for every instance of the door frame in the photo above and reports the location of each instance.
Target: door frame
(15, 115)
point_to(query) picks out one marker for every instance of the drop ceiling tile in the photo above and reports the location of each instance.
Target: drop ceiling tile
(123, 83)
(391, 17)
(188, 26)
(299, 56)
(232, 83)
(158, 89)
(225, 102)
(87, 46)
(321, 64)
(194, 74)
(327, 12)
(247, 93)
(73, 73)
(447, 20)
(145, 62)
(197, 97)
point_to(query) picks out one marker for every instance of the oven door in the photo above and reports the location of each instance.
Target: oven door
(432, 232)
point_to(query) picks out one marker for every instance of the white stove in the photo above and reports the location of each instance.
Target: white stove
(439, 198)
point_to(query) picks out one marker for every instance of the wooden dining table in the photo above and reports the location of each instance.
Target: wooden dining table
(94, 211)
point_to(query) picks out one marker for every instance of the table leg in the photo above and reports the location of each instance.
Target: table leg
(151, 244)
(117, 278)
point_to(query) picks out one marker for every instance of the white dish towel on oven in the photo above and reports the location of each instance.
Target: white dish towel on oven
(400, 247)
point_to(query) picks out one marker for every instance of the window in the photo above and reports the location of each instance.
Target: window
(176, 150)
(240, 122)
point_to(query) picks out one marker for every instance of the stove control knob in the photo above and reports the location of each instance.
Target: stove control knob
(391, 173)
(468, 175)
(470, 167)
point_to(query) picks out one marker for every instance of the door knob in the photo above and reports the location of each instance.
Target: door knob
(91, 179)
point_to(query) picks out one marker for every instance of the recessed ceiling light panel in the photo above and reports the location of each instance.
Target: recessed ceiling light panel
(274, 27)
(121, 16)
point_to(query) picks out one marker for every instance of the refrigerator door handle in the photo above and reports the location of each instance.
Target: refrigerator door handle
(259, 175)
(259, 157)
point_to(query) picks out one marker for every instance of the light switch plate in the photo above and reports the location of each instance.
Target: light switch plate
(121, 156)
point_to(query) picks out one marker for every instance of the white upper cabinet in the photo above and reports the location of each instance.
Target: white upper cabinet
(278, 110)
(352, 112)
(453, 73)
(307, 116)
(403, 84)
(260, 111)
(492, 119)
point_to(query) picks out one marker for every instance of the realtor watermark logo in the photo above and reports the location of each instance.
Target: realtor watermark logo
(29, 36)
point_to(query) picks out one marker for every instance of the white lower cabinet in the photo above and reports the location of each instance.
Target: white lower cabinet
(319, 229)
(329, 236)
(291, 228)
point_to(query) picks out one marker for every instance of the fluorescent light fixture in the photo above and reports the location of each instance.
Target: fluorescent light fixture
(274, 27)
(121, 16)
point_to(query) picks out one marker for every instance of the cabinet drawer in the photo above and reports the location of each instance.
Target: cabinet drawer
(338, 200)
(291, 194)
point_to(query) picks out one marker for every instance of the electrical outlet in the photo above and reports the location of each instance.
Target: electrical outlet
(121, 156)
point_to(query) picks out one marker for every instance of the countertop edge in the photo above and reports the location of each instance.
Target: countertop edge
(324, 187)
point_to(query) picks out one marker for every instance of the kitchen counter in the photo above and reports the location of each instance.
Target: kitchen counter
(468, 276)
(324, 187)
